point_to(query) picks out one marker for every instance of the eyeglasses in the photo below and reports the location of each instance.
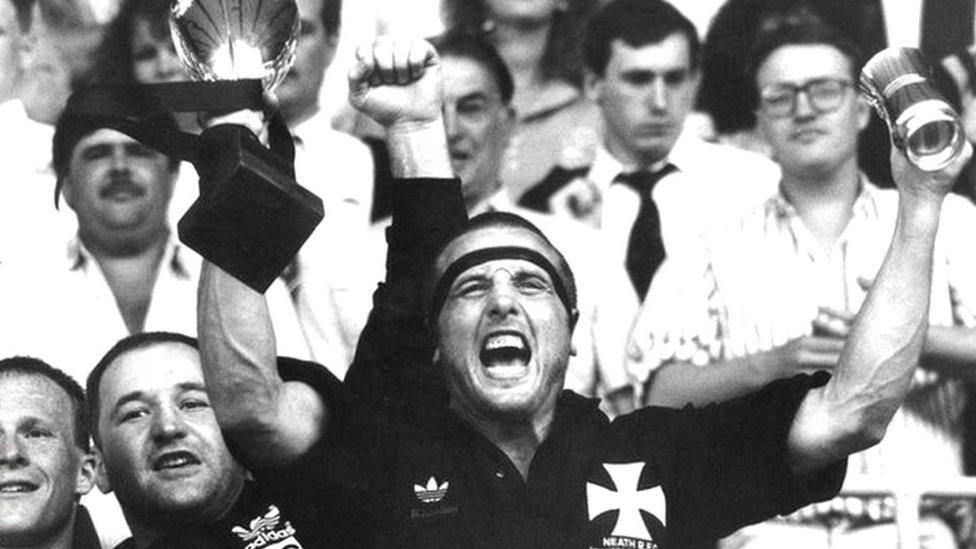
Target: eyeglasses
(824, 95)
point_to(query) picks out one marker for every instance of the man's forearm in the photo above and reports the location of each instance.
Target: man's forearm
(875, 370)
(679, 383)
(270, 421)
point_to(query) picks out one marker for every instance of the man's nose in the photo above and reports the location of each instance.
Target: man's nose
(658, 94)
(802, 107)
(452, 125)
(168, 423)
(503, 298)
(11, 452)
(120, 158)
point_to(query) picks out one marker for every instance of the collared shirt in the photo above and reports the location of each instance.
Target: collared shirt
(561, 127)
(658, 477)
(69, 300)
(606, 300)
(713, 183)
(756, 283)
(338, 168)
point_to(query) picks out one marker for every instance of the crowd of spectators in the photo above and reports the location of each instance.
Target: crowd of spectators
(681, 227)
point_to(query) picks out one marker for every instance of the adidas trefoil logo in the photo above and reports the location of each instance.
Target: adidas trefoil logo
(260, 524)
(432, 493)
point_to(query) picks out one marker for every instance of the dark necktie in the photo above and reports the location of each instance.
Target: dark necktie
(645, 249)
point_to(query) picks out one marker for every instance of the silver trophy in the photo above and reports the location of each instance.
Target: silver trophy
(252, 217)
(236, 39)
(921, 122)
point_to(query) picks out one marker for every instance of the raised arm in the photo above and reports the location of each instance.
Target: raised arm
(851, 412)
(393, 366)
(270, 421)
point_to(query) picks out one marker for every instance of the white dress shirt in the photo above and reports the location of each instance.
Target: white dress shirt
(756, 283)
(713, 183)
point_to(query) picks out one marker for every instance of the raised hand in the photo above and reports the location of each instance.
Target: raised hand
(397, 83)
(805, 354)
(913, 182)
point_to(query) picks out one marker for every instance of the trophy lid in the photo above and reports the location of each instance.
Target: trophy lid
(236, 39)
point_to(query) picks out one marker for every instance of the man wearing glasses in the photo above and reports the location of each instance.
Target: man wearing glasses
(774, 293)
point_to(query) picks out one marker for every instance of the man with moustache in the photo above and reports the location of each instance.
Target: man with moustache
(774, 292)
(123, 271)
(505, 459)
(46, 463)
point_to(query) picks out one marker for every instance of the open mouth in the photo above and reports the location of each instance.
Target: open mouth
(17, 487)
(505, 354)
(175, 460)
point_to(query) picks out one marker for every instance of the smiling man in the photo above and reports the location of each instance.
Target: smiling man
(46, 463)
(774, 292)
(162, 453)
(504, 457)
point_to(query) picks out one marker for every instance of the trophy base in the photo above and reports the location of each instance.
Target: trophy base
(251, 218)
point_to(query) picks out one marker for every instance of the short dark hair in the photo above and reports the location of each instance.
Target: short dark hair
(498, 219)
(478, 49)
(30, 366)
(130, 343)
(331, 15)
(802, 33)
(637, 23)
(72, 127)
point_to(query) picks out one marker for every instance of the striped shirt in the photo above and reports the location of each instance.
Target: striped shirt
(756, 283)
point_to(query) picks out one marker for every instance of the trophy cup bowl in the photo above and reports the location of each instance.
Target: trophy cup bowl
(251, 217)
(235, 39)
(922, 123)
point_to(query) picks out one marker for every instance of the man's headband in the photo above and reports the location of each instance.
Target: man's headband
(485, 255)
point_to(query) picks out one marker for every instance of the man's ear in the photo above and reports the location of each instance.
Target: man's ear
(508, 123)
(695, 79)
(101, 475)
(85, 480)
(67, 192)
(573, 320)
(863, 113)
